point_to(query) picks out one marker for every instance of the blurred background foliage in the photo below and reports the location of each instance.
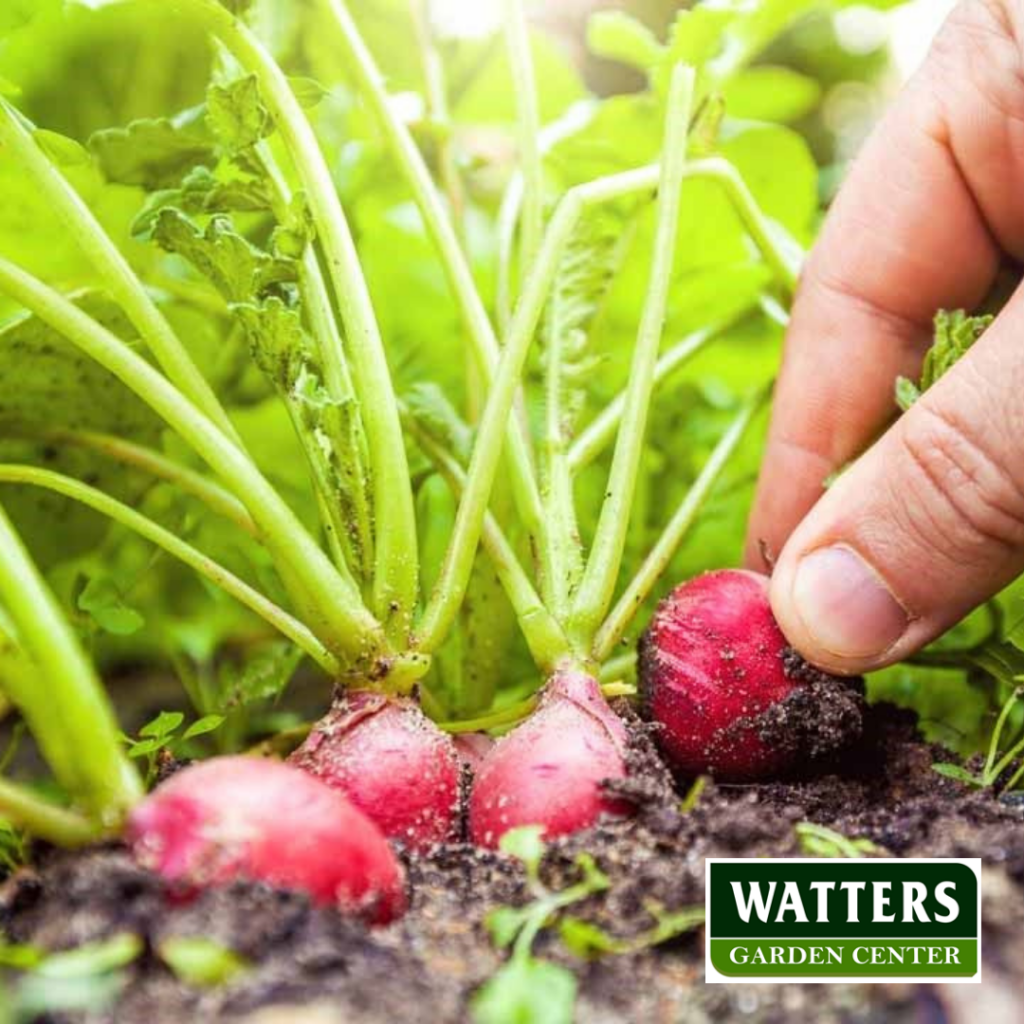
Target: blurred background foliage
(801, 82)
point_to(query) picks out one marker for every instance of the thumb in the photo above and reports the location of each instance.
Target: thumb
(927, 525)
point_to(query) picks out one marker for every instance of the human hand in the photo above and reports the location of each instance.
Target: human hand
(929, 522)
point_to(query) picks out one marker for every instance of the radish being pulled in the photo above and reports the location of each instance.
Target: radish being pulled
(548, 771)
(248, 818)
(392, 762)
(731, 697)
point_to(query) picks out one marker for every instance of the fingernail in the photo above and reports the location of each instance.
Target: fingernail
(845, 605)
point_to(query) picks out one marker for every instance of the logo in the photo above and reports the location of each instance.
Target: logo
(808, 920)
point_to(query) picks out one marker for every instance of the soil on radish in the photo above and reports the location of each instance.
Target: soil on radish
(311, 965)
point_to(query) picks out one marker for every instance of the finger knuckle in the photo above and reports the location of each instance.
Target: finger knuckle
(956, 494)
(983, 43)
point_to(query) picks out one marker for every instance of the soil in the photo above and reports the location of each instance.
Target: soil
(312, 966)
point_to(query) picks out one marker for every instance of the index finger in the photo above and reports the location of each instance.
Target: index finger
(918, 226)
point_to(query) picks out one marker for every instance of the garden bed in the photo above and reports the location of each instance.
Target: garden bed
(427, 966)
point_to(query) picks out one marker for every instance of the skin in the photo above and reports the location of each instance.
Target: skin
(929, 520)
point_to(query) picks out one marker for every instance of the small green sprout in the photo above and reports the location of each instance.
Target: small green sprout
(526, 988)
(200, 962)
(997, 761)
(819, 841)
(161, 734)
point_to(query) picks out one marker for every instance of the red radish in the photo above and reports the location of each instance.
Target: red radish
(392, 762)
(733, 700)
(548, 770)
(248, 818)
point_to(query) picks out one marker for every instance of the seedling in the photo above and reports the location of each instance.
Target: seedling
(162, 736)
(998, 760)
(525, 985)
(819, 841)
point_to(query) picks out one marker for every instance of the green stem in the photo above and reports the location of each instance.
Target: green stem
(654, 565)
(444, 602)
(183, 551)
(506, 716)
(531, 222)
(396, 575)
(211, 494)
(437, 111)
(65, 707)
(23, 809)
(598, 583)
(547, 643)
(114, 270)
(992, 770)
(456, 266)
(334, 612)
(557, 493)
(599, 433)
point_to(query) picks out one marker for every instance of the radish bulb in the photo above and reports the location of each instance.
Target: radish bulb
(548, 771)
(392, 762)
(731, 697)
(233, 818)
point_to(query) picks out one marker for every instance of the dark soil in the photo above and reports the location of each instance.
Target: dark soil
(312, 966)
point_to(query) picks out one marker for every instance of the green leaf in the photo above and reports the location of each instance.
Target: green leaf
(202, 192)
(526, 844)
(429, 406)
(101, 599)
(907, 393)
(235, 267)
(47, 384)
(63, 151)
(276, 339)
(94, 958)
(955, 334)
(585, 940)
(955, 771)
(20, 957)
(262, 675)
(308, 91)
(166, 723)
(616, 35)
(236, 114)
(143, 748)
(767, 93)
(154, 153)
(199, 961)
(505, 923)
(202, 726)
(526, 991)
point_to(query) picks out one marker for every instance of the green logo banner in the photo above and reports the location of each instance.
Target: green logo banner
(807, 919)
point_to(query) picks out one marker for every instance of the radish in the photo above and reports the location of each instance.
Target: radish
(247, 818)
(548, 771)
(732, 699)
(392, 762)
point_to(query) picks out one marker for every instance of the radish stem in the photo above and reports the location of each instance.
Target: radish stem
(661, 554)
(360, 63)
(23, 809)
(396, 575)
(65, 706)
(601, 430)
(114, 270)
(531, 222)
(182, 550)
(210, 493)
(331, 608)
(598, 583)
